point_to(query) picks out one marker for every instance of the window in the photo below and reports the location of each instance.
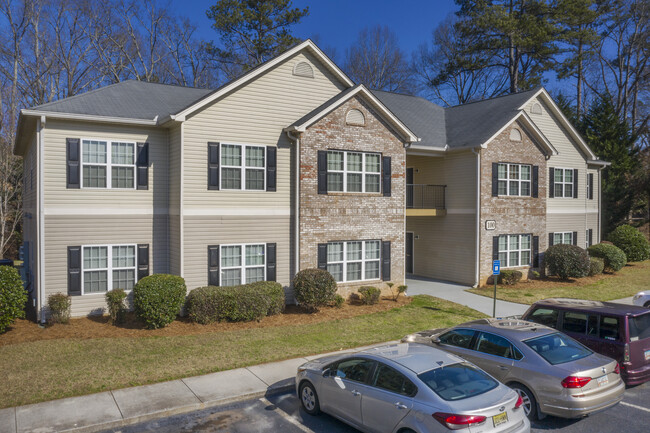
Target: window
(544, 316)
(353, 171)
(108, 164)
(458, 337)
(389, 379)
(580, 323)
(355, 369)
(494, 345)
(107, 267)
(242, 167)
(563, 179)
(514, 250)
(558, 348)
(353, 260)
(563, 238)
(458, 381)
(514, 179)
(242, 264)
(609, 328)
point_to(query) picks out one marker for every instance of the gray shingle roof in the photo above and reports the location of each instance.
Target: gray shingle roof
(128, 99)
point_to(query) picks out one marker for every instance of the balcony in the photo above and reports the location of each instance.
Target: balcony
(425, 200)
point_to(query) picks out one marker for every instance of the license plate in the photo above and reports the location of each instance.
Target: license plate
(647, 355)
(502, 418)
(602, 380)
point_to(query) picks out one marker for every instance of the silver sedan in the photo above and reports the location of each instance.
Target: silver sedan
(642, 299)
(408, 388)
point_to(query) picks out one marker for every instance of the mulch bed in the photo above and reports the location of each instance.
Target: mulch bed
(90, 327)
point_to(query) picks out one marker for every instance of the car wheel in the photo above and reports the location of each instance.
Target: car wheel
(309, 398)
(647, 304)
(530, 404)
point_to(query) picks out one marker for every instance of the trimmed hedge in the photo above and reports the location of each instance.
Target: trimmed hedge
(13, 297)
(59, 305)
(314, 288)
(613, 256)
(369, 294)
(242, 303)
(567, 261)
(158, 299)
(596, 266)
(635, 246)
(115, 302)
(509, 277)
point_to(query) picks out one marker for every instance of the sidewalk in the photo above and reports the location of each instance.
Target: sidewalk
(111, 409)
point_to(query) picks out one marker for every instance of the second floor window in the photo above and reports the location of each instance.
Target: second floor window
(353, 171)
(514, 179)
(563, 182)
(242, 167)
(108, 164)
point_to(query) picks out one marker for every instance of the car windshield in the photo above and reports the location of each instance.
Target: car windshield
(557, 348)
(458, 381)
(639, 327)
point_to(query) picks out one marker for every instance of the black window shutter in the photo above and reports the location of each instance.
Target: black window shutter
(74, 271)
(575, 183)
(142, 165)
(213, 265)
(73, 167)
(535, 251)
(322, 256)
(213, 166)
(495, 179)
(143, 260)
(270, 262)
(591, 237)
(322, 172)
(385, 175)
(385, 260)
(495, 247)
(550, 239)
(535, 189)
(591, 186)
(575, 238)
(271, 168)
(551, 182)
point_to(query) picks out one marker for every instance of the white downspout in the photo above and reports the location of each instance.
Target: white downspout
(600, 203)
(478, 217)
(296, 213)
(41, 220)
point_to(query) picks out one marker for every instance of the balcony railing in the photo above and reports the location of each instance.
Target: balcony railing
(425, 196)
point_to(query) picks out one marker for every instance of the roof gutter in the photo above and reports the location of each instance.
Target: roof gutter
(90, 118)
(598, 162)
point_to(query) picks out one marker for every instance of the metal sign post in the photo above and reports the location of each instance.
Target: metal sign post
(496, 270)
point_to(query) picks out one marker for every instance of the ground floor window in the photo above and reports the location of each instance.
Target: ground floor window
(242, 264)
(107, 267)
(353, 260)
(563, 238)
(514, 250)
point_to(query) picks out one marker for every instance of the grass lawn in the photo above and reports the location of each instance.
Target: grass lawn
(49, 369)
(626, 282)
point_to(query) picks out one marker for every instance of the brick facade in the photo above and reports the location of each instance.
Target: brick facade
(352, 216)
(513, 215)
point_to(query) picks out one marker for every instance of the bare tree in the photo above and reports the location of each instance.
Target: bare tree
(376, 60)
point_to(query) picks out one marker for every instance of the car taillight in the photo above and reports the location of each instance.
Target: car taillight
(520, 401)
(626, 356)
(575, 381)
(455, 422)
(617, 369)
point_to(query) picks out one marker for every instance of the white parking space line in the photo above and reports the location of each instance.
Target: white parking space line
(286, 416)
(635, 406)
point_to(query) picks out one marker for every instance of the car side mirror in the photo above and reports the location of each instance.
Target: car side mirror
(435, 340)
(326, 372)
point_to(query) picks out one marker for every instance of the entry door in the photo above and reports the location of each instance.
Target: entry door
(409, 187)
(409, 252)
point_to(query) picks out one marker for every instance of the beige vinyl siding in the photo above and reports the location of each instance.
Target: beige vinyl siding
(175, 142)
(592, 205)
(201, 231)
(57, 195)
(254, 114)
(568, 223)
(592, 223)
(174, 244)
(445, 248)
(64, 231)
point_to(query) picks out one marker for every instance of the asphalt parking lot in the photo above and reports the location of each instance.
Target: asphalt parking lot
(282, 413)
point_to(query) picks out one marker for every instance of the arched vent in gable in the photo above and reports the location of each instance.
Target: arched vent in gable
(355, 117)
(515, 134)
(303, 69)
(536, 108)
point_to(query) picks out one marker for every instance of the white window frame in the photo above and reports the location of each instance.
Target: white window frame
(242, 168)
(507, 251)
(109, 270)
(109, 163)
(363, 260)
(242, 267)
(563, 235)
(519, 180)
(363, 171)
(586, 234)
(564, 183)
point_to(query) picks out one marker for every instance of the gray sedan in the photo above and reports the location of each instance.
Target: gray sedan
(408, 388)
(553, 373)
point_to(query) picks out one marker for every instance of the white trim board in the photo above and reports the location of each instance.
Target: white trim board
(571, 210)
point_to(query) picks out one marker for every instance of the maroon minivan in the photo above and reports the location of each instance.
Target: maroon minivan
(616, 330)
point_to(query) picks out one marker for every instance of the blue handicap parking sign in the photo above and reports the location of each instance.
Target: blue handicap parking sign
(496, 267)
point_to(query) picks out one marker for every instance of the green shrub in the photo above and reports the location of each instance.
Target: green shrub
(338, 301)
(158, 299)
(401, 289)
(509, 277)
(596, 266)
(314, 288)
(59, 306)
(12, 297)
(369, 295)
(613, 256)
(536, 275)
(635, 246)
(567, 261)
(115, 302)
(242, 303)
